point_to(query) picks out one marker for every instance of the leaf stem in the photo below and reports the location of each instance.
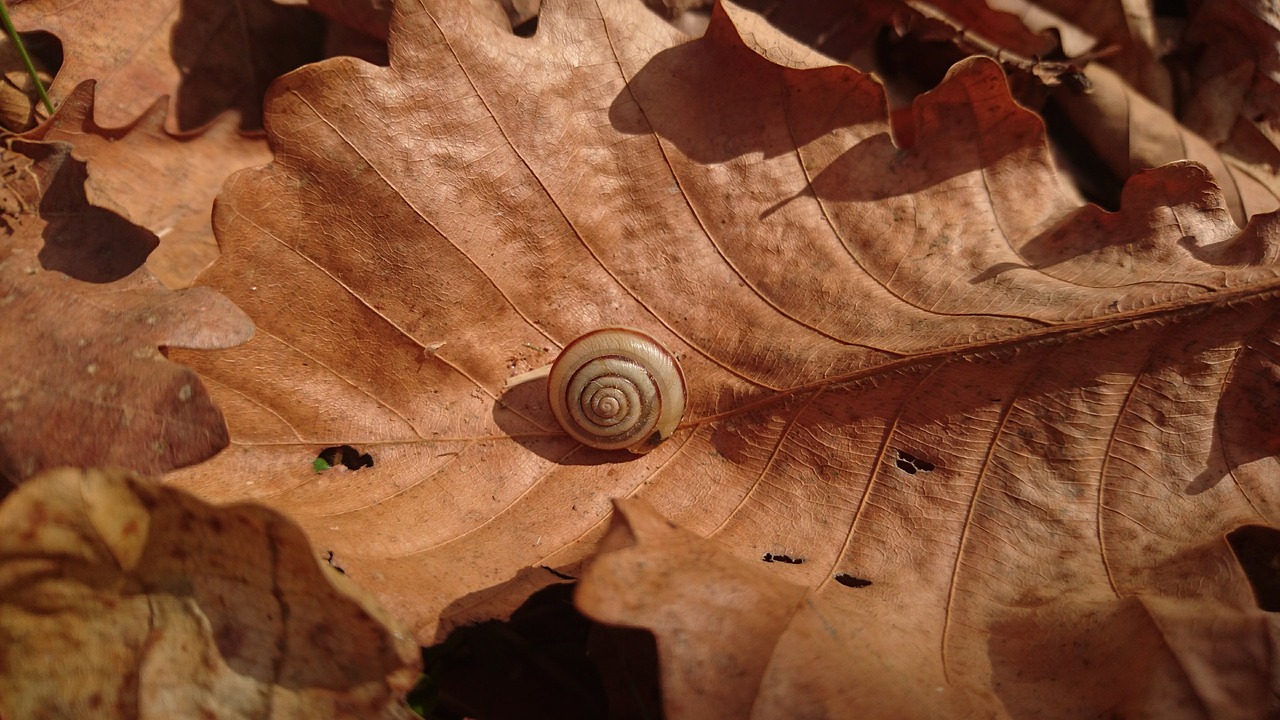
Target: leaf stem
(26, 59)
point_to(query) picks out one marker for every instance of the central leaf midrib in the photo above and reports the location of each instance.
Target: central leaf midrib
(1061, 333)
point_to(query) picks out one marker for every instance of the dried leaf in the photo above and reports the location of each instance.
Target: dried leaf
(1234, 100)
(119, 599)
(913, 360)
(209, 56)
(675, 8)
(1037, 18)
(18, 97)
(1227, 59)
(736, 641)
(1131, 133)
(84, 380)
(1021, 37)
(370, 17)
(1000, 31)
(1128, 30)
(841, 30)
(975, 29)
(163, 182)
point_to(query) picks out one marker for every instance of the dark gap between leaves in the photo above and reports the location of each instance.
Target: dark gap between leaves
(527, 29)
(1170, 9)
(1257, 549)
(549, 661)
(1084, 168)
(45, 49)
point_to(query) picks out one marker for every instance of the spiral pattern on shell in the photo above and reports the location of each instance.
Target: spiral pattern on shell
(617, 388)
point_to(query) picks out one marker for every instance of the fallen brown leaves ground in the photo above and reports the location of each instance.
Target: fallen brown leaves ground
(958, 442)
(144, 602)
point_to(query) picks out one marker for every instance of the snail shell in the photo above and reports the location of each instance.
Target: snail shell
(617, 388)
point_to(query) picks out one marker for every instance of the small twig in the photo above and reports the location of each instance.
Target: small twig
(1049, 72)
(26, 59)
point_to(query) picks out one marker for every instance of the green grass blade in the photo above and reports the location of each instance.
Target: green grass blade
(26, 59)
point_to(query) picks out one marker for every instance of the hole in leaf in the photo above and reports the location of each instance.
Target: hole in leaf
(911, 464)
(770, 557)
(328, 557)
(1257, 550)
(848, 580)
(345, 455)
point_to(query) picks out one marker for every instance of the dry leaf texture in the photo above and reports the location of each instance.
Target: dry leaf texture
(1226, 58)
(1036, 18)
(1130, 31)
(18, 100)
(370, 17)
(208, 56)
(1238, 66)
(84, 380)
(922, 366)
(163, 182)
(724, 626)
(120, 599)
(1130, 133)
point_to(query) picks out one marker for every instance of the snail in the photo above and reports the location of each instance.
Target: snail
(617, 388)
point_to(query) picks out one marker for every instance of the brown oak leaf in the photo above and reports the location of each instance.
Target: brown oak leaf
(1130, 133)
(208, 56)
(886, 36)
(1227, 56)
(84, 380)
(737, 641)
(1234, 100)
(922, 364)
(121, 599)
(126, 165)
(368, 17)
(18, 96)
(1130, 35)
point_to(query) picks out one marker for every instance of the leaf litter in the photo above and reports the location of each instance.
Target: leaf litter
(123, 599)
(85, 381)
(1084, 396)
